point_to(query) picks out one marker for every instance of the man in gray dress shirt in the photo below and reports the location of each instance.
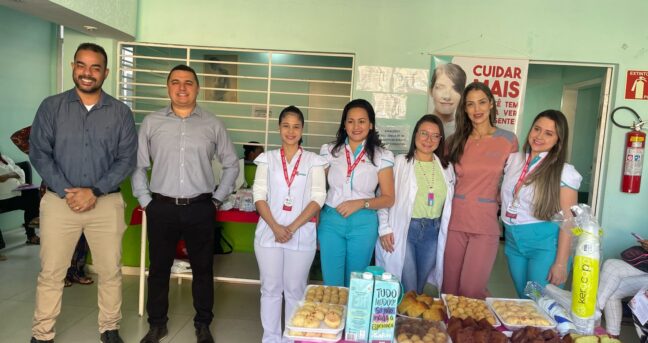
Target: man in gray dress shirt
(180, 142)
(83, 143)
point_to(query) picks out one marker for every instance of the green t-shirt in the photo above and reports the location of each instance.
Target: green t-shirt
(429, 178)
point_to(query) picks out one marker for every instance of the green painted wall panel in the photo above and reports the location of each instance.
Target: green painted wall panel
(406, 33)
(26, 55)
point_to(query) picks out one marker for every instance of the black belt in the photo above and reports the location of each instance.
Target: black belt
(182, 201)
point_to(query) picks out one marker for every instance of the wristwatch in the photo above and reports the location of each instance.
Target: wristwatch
(366, 204)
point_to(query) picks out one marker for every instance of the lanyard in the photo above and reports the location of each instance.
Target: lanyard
(285, 167)
(351, 167)
(523, 175)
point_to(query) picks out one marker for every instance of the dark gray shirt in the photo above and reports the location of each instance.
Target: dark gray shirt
(182, 150)
(71, 147)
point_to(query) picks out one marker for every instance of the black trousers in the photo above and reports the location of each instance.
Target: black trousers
(28, 201)
(167, 224)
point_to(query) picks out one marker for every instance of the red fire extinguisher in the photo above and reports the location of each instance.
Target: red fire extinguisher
(635, 145)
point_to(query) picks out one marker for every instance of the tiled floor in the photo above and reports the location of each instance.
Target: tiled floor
(236, 310)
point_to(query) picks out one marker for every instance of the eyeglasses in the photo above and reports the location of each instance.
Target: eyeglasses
(428, 135)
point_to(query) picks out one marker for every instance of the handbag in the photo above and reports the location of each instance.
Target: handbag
(637, 257)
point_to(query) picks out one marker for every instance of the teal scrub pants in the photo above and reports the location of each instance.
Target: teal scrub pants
(531, 251)
(346, 244)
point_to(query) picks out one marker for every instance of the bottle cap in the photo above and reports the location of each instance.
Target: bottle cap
(367, 276)
(386, 276)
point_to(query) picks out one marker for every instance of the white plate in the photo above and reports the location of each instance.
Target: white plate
(497, 322)
(312, 339)
(513, 327)
(323, 328)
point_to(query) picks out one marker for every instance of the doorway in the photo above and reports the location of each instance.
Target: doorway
(581, 92)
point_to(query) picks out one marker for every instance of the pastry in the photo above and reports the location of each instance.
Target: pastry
(298, 320)
(311, 322)
(332, 320)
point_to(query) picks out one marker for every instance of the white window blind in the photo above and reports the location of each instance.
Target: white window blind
(246, 88)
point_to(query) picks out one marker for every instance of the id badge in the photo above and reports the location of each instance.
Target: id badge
(346, 189)
(288, 203)
(511, 211)
(430, 199)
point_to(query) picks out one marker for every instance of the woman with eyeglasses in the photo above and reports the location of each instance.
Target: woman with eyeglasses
(412, 245)
(479, 151)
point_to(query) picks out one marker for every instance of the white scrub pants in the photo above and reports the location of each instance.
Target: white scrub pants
(282, 271)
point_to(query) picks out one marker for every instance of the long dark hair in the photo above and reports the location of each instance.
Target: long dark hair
(457, 141)
(294, 110)
(439, 151)
(373, 139)
(546, 177)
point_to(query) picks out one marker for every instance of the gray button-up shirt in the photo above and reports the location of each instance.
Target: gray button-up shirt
(70, 146)
(182, 150)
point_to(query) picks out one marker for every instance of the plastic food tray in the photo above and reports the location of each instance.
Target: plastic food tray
(513, 327)
(312, 339)
(497, 322)
(322, 328)
(421, 318)
(339, 287)
(439, 325)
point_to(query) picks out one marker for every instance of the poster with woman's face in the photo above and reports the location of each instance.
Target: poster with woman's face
(446, 86)
(444, 96)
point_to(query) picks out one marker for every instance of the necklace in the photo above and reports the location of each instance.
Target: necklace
(429, 181)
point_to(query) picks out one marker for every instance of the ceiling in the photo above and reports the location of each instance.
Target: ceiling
(60, 15)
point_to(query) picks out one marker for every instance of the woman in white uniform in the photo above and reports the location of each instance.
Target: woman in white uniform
(359, 166)
(537, 184)
(412, 243)
(289, 190)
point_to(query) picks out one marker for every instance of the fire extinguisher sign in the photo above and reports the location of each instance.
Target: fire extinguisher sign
(637, 85)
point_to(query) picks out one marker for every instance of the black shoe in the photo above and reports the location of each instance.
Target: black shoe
(203, 335)
(34, 340)
(155, 334)
(111, 336)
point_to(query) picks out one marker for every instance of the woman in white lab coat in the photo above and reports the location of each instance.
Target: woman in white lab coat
(413, 231)
(289, 190)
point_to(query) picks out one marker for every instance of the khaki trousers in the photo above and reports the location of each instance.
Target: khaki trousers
(60, 229)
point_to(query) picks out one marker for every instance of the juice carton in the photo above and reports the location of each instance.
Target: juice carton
(383, 313)
(359, 307)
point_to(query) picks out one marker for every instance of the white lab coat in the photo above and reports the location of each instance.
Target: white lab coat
(397, 219)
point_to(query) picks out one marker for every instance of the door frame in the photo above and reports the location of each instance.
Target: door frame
(602, 128)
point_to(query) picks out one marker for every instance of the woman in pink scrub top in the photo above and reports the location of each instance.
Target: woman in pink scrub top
(479, 151)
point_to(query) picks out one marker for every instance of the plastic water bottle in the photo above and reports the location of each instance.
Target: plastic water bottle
(586, 270)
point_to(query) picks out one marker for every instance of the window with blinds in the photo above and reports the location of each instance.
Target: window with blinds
(246, 88)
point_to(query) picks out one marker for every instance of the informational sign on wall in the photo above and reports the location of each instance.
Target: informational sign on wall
(505, 77)
(637, 85)
(390, 106)
(395, 137)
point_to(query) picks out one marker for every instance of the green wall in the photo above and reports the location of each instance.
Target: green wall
(28, 60)
(406, 33)
(586, 109)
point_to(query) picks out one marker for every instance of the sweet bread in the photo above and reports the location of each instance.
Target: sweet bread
(332, 320)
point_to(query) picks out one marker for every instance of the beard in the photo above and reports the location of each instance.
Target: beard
(89, 90)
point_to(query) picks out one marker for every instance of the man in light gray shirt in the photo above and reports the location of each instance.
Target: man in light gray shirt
(180, 141)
